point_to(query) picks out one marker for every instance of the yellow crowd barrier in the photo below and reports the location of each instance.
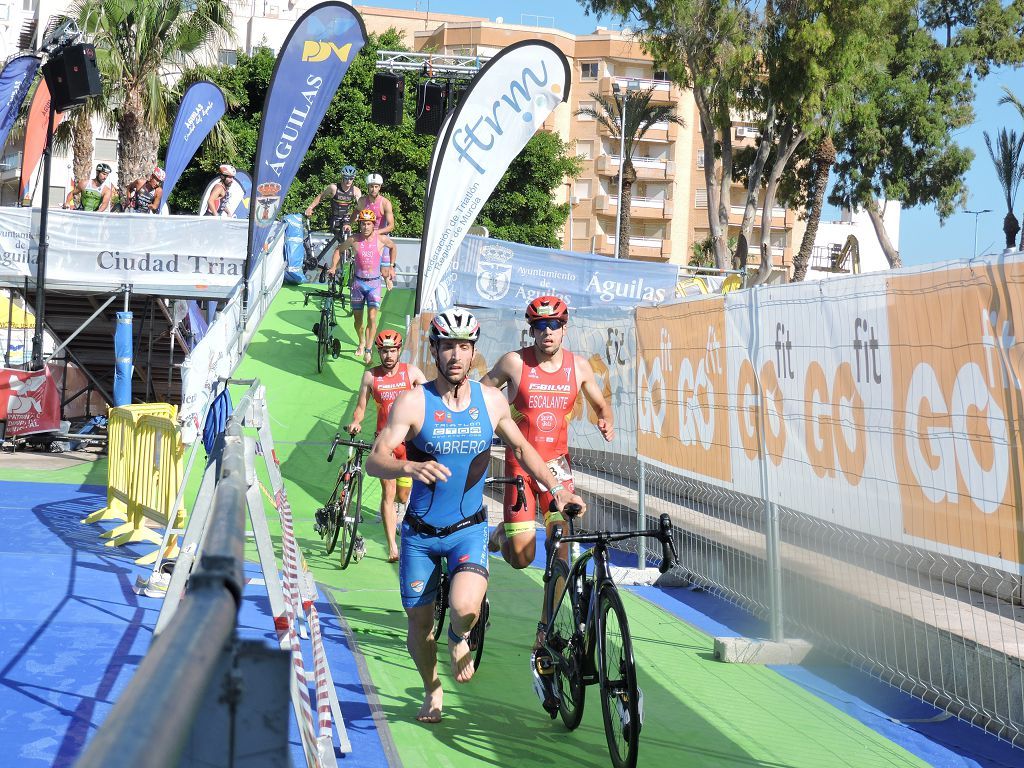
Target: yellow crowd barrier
(143, 475)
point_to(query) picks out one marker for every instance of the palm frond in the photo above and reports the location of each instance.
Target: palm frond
(1006, 157)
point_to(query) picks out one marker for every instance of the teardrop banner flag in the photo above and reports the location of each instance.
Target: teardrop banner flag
(313, 60)
(508, 100)
(200, 109)
(15, 79)
(35, 135)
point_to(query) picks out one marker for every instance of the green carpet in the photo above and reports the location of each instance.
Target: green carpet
(699, 712)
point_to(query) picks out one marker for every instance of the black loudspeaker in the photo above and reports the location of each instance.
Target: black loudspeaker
(73, 76)
(430, 107)
(455, 94)
(388, 99)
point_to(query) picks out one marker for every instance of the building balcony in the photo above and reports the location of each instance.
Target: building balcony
(658, 132)
(736, 215)
(664, 91)
(641, 248)
(641, 207)
(647, 168)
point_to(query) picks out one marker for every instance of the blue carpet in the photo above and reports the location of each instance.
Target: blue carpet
(72, 631)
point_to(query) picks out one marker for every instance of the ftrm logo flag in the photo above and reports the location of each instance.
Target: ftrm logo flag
(201, 107)
(15, 80)
(313, 60)
(506, 103)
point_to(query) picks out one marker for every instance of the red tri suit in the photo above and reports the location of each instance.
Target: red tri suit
(385, 389)
(541, 409)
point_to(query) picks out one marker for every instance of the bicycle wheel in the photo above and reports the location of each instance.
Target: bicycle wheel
(620, 698)
(350, 522)
(323, 337)
(334, 508)
(440, 604)
(562, 609)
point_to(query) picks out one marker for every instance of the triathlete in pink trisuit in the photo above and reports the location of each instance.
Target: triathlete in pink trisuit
(370, 268)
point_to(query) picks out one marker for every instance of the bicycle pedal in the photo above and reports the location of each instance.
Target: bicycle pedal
(316, 329)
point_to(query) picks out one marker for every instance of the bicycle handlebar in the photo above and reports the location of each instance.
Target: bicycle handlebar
(516, 480)
(668, 547)
(359, 445)
(663, 533)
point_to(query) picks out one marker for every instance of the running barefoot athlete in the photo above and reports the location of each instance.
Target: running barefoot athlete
(447, 425)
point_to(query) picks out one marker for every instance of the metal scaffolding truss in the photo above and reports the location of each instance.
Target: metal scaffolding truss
(431, 64)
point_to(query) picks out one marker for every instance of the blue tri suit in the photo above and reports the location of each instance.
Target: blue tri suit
(461, 441)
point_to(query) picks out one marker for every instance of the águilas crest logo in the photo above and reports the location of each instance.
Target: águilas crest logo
(267, 200)
(494, 272)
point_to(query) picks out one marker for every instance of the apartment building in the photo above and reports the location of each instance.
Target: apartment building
(668, 210)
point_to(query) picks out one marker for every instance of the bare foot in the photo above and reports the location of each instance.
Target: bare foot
(368, 357)
(359, 351)
(462, 659)
(430, 712)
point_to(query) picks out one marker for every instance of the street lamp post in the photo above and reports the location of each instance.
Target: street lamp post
(974, 253)
(622, 158)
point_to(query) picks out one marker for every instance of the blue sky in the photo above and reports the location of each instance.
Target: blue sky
(922, 238)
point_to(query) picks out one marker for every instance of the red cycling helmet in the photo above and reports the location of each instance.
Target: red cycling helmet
(547, 308)
(388, 339)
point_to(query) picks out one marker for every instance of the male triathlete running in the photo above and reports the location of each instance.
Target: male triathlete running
(377, 203)
(447, 425)
(95, 193)
(371, 266)
(217, 203)
(542, 384)
(145, 193)
(384, 384)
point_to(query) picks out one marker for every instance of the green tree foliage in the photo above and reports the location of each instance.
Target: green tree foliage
(137, 43)
(520, 209)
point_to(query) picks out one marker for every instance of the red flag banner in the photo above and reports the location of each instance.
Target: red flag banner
(29, 401)
(35, 135)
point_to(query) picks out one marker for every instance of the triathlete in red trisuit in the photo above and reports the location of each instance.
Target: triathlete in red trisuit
(384, 384)
(542, 384)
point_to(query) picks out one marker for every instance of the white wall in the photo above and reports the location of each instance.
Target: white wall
(858, 223)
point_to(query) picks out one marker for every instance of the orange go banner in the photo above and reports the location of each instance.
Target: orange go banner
(35, 135)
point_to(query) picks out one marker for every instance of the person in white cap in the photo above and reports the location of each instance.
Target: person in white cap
(220, 195)
(377, 203)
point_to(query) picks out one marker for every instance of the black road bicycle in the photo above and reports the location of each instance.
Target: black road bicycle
(586, 636)
(476, 636)
(321, 262)
(341, 515)
(323, 329)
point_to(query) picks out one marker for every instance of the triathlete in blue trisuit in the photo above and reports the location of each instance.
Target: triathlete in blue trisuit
(447, 425)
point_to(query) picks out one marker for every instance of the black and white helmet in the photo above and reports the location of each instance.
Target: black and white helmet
(455, 323)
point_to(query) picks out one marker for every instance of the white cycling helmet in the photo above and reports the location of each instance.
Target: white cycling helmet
(374, 178)
(227, 170)
(455, 323)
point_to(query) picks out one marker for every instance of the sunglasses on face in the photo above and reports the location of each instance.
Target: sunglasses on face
(546, 325)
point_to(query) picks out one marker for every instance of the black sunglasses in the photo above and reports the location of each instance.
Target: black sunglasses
(547, 325)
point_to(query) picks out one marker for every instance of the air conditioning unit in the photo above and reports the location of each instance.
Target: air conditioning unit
(746, 132)
(574, 200)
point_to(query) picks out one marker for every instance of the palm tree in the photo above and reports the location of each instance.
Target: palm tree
(640, 116)
(140, 45)
(824, 158)
(1010, 172)
(1009, 97)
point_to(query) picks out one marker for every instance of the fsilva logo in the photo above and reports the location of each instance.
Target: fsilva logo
(528, 97)
(316, 51)
(955, 386)
(681, 386)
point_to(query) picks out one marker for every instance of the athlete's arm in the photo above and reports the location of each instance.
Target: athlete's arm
(416, 377)
(525, 454)
(506, 371)
(316, 200)
(216, 194)
(404, 420)
(337, 255)
(108, 192)
(387, 269)
(594, 395)
(155, 205)
(389, 216)
(364, 396)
